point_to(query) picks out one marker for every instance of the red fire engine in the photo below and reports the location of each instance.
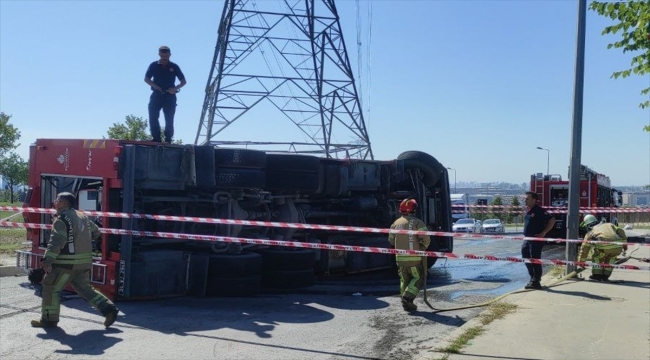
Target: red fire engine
(207, 182)
(595, 191)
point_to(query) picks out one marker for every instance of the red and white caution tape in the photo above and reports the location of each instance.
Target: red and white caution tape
(369, 249)
(317, 226)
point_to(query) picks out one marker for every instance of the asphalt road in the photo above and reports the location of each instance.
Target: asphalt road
(356, 317)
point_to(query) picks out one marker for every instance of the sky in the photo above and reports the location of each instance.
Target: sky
(479, 85)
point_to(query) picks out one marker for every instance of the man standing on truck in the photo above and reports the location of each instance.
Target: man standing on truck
(410, 267)
(601, 253)
(537, 223)
(163, 93)
(68, 260)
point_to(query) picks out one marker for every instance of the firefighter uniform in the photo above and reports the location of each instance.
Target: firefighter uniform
(69, 253)
(602, 253)
(410, 267)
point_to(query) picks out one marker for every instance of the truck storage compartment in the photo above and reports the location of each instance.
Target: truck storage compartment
(157, 273)
(161, 167)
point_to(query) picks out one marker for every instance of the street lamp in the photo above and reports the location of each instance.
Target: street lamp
(455, 192)
(548, 154)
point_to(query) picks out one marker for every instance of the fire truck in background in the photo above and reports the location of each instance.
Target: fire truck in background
(208, 182)
(595, 191)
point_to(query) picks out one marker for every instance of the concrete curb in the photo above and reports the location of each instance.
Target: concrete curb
(12, 271)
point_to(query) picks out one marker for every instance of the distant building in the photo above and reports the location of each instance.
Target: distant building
(636, 199)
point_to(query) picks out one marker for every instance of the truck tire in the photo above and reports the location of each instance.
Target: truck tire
(431, 168)
(287, 260)
(239, 158)
(234, 286)
(283, 279)
(240, 178)
(298, 163)
(225, 265)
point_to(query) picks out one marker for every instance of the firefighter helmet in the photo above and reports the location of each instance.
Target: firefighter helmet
(589, 221)
(408, 206)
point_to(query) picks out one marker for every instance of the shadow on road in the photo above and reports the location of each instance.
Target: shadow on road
(89, 342)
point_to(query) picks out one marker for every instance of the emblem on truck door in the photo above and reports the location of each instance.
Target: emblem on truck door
(64, 159)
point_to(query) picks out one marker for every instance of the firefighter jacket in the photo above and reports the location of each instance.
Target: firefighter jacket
(603, 232)
(409, 241)
(70, 244)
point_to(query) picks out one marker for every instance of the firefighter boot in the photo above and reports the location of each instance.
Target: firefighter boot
(44, 324)
(110, 312)
(407, 302)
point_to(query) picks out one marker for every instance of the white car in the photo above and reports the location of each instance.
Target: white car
(493, 225)
(467, 225)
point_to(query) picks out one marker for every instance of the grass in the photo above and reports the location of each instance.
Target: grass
(11, 239)
(495, 311)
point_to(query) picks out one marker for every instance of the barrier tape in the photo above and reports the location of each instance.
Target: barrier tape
(369, 249)
(320, 227)
(564, 208)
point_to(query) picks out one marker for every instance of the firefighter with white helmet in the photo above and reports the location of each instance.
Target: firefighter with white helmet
(601, 253)
(410, 267)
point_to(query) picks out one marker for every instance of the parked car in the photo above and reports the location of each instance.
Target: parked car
(467, 225)
(493, 225)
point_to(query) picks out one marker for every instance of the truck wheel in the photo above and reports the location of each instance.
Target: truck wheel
(234, 286)
(240, 178)
(431, 168)
(239, 158)
(300, 163)
(223, 265)
(287, 260)
(282, 279)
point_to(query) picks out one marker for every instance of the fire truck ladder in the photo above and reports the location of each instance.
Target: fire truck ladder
(308, 77)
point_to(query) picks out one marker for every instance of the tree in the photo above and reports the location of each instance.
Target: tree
(9, 135)
(514, 208)
(134, 128)
(497, 208)
(14, 170)
(632, 19)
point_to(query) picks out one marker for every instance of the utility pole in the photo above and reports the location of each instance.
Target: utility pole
(455, 192)
(576, 138)
(548, 156)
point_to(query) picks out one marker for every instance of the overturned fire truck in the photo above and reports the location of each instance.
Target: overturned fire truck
(223, 183)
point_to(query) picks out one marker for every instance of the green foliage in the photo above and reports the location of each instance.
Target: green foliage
(632, 20)
(514, 206)
(14, 170)
(497, 210)
(9, 135)
(134, 128)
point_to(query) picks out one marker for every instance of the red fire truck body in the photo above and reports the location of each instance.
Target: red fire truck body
(207, 182)
(595, 191)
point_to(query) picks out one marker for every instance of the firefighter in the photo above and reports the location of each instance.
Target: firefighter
(601, 253)
(410, 267)
(68, 260)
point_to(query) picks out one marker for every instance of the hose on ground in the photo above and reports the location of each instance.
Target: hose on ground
(498, 298)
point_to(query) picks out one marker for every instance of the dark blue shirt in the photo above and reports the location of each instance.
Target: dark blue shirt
(535, 220)
(164, 75)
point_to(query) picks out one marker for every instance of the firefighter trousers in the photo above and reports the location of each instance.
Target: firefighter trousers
(607, 256)
(411, 280)
(58, 279)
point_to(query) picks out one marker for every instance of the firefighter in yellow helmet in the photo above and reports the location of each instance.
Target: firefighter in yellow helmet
(601, 253)
(410, 267)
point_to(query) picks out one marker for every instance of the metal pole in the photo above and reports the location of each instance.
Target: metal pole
(548, 156)
(576, 138)
(455, 192)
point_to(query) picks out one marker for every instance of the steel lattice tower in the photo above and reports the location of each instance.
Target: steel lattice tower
(307, 77)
